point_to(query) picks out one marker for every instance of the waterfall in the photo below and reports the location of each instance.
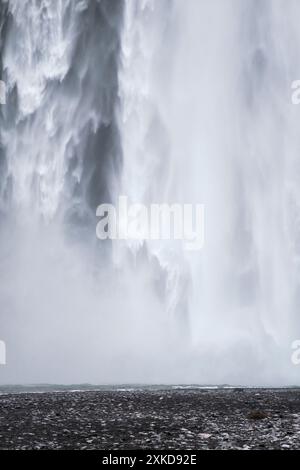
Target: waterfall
(164, 102)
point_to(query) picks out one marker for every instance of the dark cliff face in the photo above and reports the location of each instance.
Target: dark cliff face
(94, 74)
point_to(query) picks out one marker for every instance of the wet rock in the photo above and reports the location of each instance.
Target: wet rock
(257, 415)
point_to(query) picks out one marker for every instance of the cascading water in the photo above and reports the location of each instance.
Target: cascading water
(164, 102)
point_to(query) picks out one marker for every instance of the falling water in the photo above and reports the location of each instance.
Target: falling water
(165, 102)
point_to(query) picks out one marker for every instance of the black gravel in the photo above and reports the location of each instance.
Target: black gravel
(151, 419)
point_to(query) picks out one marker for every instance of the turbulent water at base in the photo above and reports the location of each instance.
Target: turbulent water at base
(163, 101)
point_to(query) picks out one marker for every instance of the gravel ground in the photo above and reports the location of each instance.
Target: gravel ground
(151, 419)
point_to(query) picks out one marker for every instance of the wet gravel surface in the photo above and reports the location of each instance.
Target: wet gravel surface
(147, 419)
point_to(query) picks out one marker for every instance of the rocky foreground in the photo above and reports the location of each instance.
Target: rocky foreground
(151, 419)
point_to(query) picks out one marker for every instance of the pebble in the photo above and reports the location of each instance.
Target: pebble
(150, 419)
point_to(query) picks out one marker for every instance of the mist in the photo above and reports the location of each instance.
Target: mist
(162, 102)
